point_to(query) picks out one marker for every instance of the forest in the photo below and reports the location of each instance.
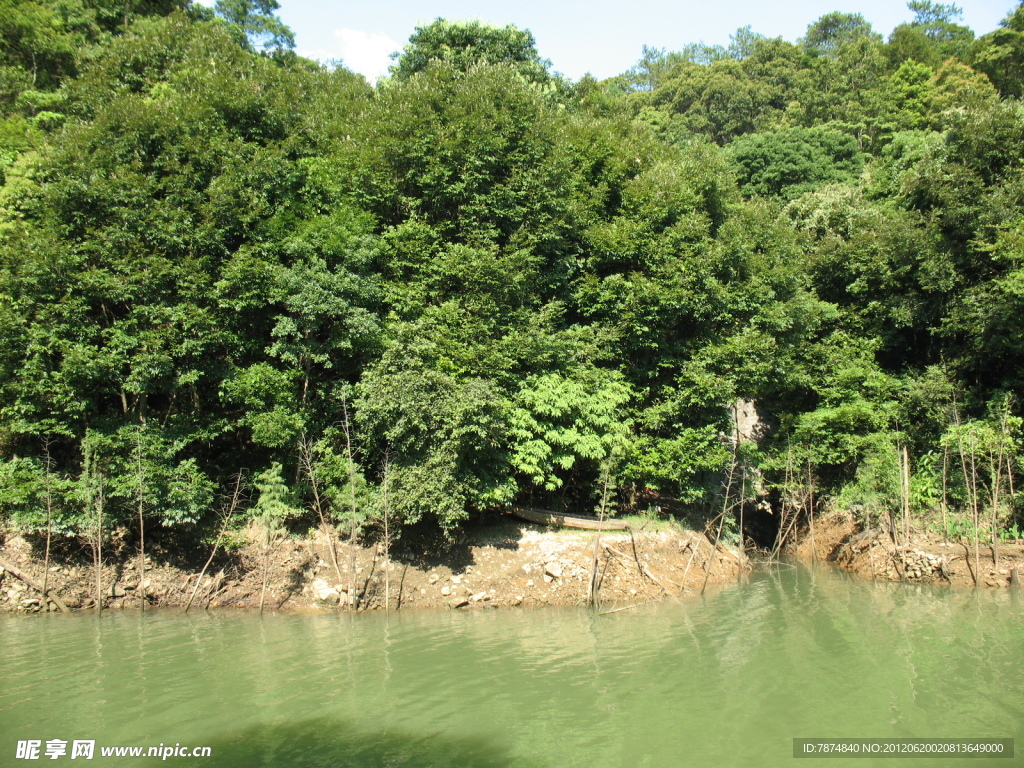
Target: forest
(478, 283)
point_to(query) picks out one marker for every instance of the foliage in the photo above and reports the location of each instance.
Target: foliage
(499, 284)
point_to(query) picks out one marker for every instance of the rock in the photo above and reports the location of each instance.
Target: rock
(517, 600)
(456, 579)
(553, 569)
(325, 593)
(116, 590)
(459, 602)
(433, 578)
(479, 596)
(446, 590)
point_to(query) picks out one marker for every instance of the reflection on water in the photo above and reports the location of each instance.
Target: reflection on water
(728, 679)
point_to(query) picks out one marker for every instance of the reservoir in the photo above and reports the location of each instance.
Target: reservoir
(727, 679)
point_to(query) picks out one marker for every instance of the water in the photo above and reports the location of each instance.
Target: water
(724, 680)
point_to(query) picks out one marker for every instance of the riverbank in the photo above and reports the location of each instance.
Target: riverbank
(922, 557)
(503, 563)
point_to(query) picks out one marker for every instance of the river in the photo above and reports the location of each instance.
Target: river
(727, 679)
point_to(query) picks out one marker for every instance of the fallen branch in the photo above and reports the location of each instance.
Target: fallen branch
(623, 608)
(48, 593)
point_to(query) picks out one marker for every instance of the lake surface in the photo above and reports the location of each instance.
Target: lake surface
(729, 679)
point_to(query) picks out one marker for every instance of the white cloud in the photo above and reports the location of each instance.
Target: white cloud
(364, 52)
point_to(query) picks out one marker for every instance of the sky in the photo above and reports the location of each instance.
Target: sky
(602, 37)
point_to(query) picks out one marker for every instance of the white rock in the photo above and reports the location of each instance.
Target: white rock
(325, 593)
(446, 590)
(553, 569)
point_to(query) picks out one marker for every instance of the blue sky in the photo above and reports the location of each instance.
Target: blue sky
(598, 36)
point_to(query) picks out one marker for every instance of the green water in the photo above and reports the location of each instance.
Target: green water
(724, 680)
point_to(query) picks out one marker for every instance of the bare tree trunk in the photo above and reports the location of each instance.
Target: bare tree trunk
(810, 509)
(721, 522)
(353, 527)
(266, 568)
(945, 495)
(140, 479)
(49, 514)
(595, 586)
(307, 465)
(98, 550)
(236, 496)
(906, 493)
(386, 512)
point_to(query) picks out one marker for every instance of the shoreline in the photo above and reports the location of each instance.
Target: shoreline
(923, 558)
(509, 563)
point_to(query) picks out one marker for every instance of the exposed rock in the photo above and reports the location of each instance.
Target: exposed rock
(446, 590)
(325, 593)
(459, 602)
(553, 569)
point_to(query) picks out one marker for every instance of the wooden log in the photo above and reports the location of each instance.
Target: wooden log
(49, 594)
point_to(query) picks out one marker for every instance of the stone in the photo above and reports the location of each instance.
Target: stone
(325, 593)
(553, 569)
(446, 590)
(456, 579)
(117, 590)
(476, 598)
(460, 602)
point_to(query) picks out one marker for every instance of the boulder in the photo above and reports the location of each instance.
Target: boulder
(325, 593)
(553, 569)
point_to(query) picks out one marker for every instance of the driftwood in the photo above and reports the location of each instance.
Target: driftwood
(623, 608)
(585, 522)
(49, 593)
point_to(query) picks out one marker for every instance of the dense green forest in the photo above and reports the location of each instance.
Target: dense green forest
(479, 283)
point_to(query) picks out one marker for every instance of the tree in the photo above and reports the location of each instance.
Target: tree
(792, 161)
(463, 44)
(1000, 55)
(828, 35)
(256, 20)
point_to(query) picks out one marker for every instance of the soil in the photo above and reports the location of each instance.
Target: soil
(501, 563)
(920, 558)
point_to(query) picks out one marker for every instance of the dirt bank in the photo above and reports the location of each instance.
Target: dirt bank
(920, 558)
(503, 563)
